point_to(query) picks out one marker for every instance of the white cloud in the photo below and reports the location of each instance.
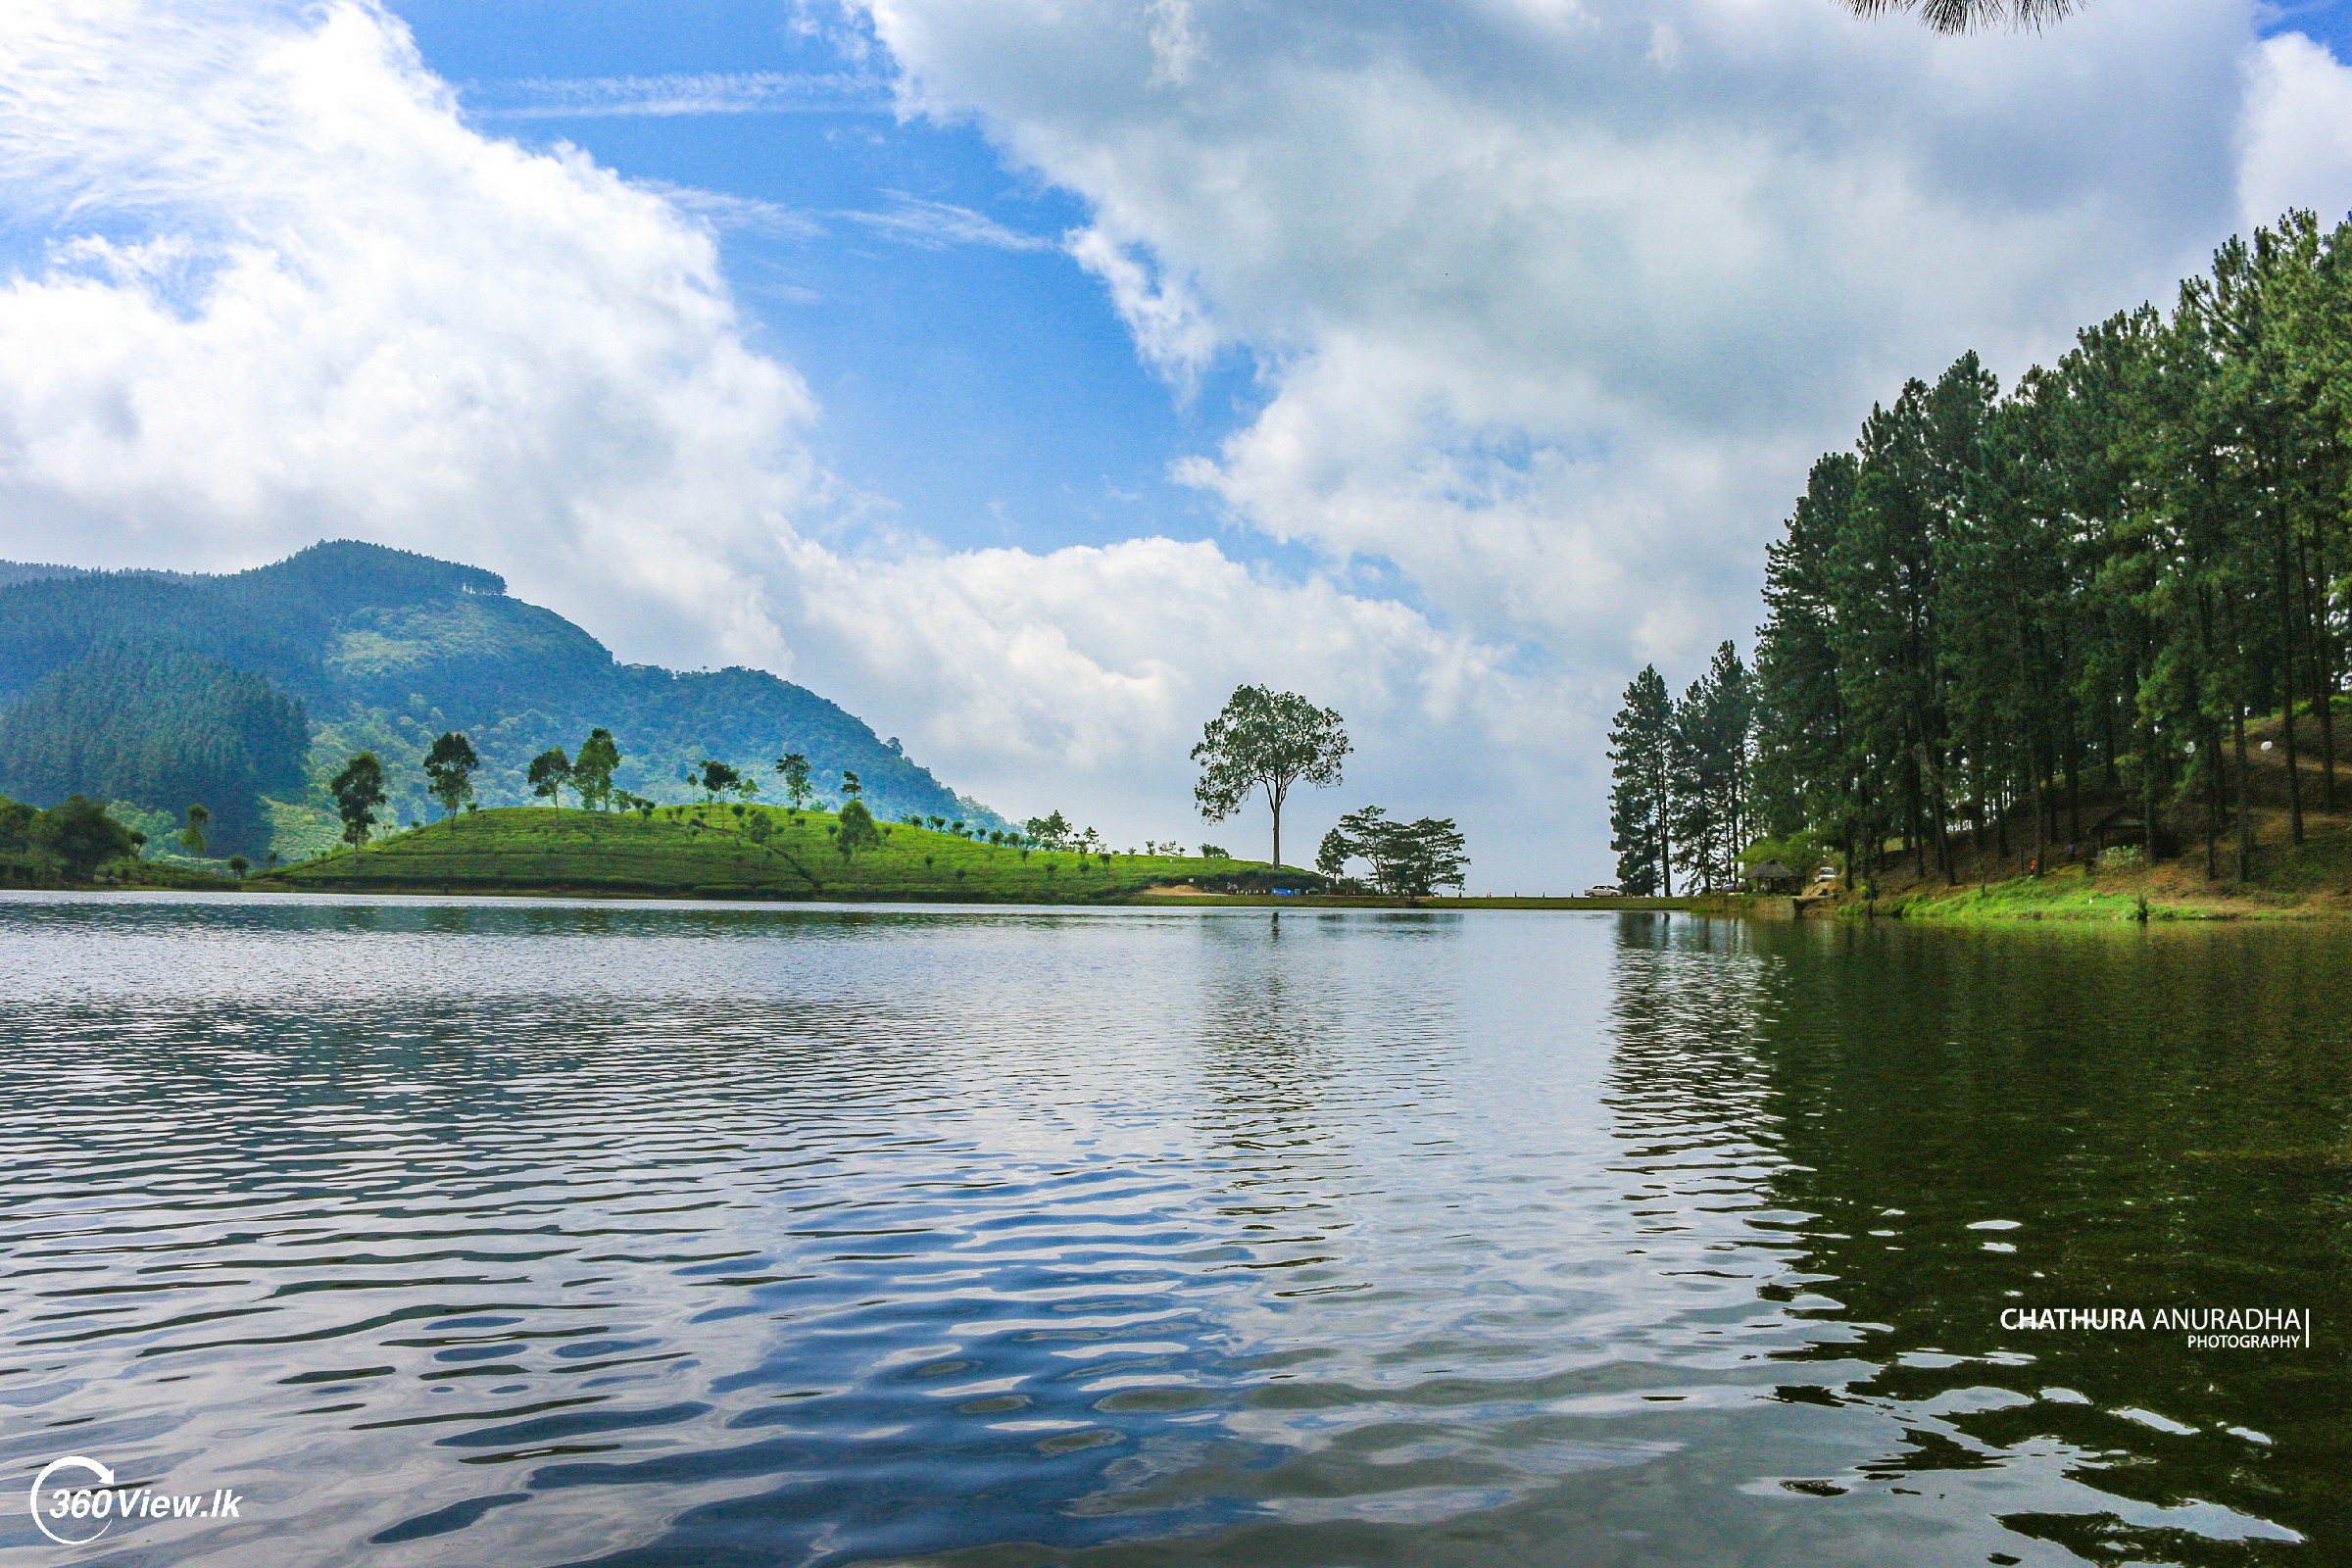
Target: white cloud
(1550, 307)
(306, 300)
(748, 214)
(747, 93)
(2297, 146)
(1553, 304)
(290, 294)
(934, 225)
(1101, 662)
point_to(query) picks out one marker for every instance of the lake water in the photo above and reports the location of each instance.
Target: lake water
(534, 1234)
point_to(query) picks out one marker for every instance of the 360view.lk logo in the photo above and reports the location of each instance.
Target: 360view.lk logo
(76, 1500)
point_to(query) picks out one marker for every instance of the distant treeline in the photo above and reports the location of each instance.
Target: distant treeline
(1680, 802)
(165, 726)
(2098, 579)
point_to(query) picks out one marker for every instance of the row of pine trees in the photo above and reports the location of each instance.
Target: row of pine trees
(1998, 606)
(1683, 779)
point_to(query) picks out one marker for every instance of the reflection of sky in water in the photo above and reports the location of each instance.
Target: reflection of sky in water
(542, 1233)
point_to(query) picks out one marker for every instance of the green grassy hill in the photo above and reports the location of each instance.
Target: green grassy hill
(740, 852)
(247, 691)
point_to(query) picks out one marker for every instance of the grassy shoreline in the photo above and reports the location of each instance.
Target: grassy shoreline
(763, 853)
(2310, 881)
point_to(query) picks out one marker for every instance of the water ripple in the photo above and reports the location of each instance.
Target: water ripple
(572, 1234)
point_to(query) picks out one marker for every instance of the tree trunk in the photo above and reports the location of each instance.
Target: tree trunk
(1919, 826)
(2213, 809)
(2245, 796)
(2286, 692)
(2323, 669)
(2041, 824)
(1943, 845)
(1665, 844)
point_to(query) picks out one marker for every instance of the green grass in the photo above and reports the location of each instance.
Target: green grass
(298, 830)
(734, 852)
(2056, 897)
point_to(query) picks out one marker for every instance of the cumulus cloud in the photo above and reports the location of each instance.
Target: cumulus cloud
(1555, 303)
(299, 298)
(2296, 142)
(287, 293)
(1549, 307)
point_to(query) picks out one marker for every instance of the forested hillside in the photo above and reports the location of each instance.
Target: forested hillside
(117, 684)
(165, 728)
(2066, 616)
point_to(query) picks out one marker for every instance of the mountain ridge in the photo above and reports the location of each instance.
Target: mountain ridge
(382, 649)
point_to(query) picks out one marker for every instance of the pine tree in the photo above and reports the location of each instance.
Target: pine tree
(1641, 802)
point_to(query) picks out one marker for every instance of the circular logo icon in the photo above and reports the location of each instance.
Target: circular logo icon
(62, 1509)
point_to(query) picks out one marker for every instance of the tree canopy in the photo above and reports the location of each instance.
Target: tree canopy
(550, 773)
(1266, 741)
(713, 778)
(854, 830)
(359, 793)
(449, 771)
(1642, 764)
(158, 726)
(592, 770)
(2019, 615)
(1972, 16)
(794, 767)
(81, 837)
(1408, 859)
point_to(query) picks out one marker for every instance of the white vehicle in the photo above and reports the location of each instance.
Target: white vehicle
(1603, 891)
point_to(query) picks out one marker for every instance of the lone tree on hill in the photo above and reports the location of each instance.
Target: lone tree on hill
(794, 765)
(855, 831)
(1046, 832)
(592, 770)
(449, 772)
(191, 837)
(1266, 741)
(713, 778)
(850, 785)
(550, 771)
(358, 792)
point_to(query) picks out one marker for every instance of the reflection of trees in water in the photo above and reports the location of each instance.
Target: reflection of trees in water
(1686, 1000)
(2152, 1120)
(1688, 1098)
(1312, 1028)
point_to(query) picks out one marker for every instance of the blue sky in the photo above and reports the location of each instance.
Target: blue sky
(1039, 425)
(1025, 374)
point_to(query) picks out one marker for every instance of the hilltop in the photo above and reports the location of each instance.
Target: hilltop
(737, 851)
(245, 690)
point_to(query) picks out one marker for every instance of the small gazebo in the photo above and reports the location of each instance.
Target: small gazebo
(1772, 876)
